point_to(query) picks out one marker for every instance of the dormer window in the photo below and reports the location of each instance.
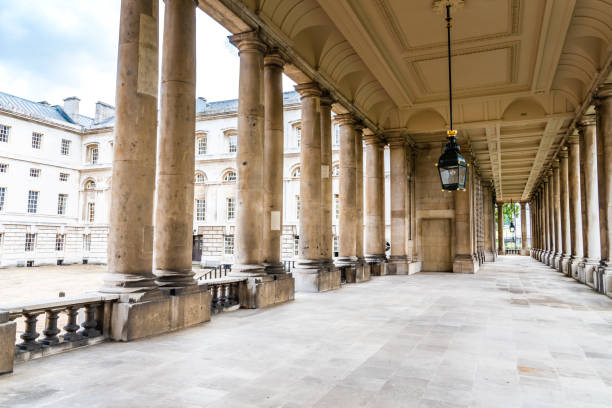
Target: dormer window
(296, 173)
(199, 178)
(335, 171)
(90, 185)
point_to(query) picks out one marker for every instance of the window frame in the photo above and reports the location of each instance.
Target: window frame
(37, 140)
(5, 132)
(33, 196)
(230, 208)
(60, 240)
(228, 245)
(62, 203)
(200, 207)
(91, 212)
(65, 147)
(30, 244)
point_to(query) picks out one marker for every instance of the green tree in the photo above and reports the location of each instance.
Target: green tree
(511, 212)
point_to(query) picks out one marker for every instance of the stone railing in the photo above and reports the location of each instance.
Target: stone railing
(224, 293)
(513, 251)
(68, 323)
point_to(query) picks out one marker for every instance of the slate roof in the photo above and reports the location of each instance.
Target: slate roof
(56, 114)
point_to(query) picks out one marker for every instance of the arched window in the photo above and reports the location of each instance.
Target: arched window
(199, 178)
(296, 173)
(231, 140)
(229, 176)
(335, 171)
(90, 185)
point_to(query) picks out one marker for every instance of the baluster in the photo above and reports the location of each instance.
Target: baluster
(234, 293)
(214, 299)
(90, 323)
(51, 331)
(221, 296)
(30, 335)
(226, 291)
(72, 326)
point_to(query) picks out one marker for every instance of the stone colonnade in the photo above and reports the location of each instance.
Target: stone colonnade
(572, 220)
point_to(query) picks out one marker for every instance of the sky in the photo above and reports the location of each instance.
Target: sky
(60, 48)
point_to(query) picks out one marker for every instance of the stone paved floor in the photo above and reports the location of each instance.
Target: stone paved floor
(517, 334)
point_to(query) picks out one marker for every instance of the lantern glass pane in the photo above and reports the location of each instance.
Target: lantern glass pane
(462, 176)
(449, 175)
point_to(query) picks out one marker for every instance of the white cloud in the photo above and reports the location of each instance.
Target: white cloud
(61, 48)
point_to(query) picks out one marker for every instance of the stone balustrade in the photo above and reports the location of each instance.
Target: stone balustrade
(68, 323)
(224, 293)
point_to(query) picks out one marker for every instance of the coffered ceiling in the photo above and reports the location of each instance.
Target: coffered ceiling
(523, 69)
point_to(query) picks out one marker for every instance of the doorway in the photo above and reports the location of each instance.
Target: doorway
(437, 250)
(196, 252)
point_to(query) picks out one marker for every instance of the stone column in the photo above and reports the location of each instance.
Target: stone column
(312, 273)
(174, 209)
(500, 229)
(489, 225)
(547, 220)
(347, 250)
(130, 239)
(273, 163)
(398, 262)
(557, 216)
(565, 210)
(551, 218)
(524, 250)
(248, 241)
(464, 261)
(574, 204)
(590, 205)
(359, 224)
(327, 235)
(375, 204)
(543, 223)
(604, 121)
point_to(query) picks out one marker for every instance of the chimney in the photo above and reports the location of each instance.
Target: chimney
(71, 107)
(104, 111)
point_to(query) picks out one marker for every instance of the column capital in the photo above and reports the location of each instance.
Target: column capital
(326, 99)
(274, 58)
(587, 120)
(605, 91)
(573, 139)
(555, 164)
(309, 89)
(248, 41)
(395, 139)
(345, 119)
(549, 173)
(372, 139)
(563, 153)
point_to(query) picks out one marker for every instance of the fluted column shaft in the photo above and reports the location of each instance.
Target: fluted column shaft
(547, 219)
(604, 121)
(489, 224)
(130, 240)
(574, 202)
(273, 163)
(250, 157)
(348, 189)
(551, 218)
(176, 168)
(464, 261)
(327, 235)
(375, 199)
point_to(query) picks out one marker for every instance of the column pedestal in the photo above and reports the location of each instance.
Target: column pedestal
(398, 265)
(378, 264)
(316, 276)
(7, 343)
(465, 264)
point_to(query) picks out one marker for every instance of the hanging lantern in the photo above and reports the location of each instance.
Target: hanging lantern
(452, 167)
(512, 227)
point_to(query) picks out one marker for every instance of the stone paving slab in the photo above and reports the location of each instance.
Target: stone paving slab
(517, 334)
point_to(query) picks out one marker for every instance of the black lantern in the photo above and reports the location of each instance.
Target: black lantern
(512, 227)
(452, 167)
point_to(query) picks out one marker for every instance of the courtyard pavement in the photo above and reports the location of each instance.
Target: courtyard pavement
(516, 334)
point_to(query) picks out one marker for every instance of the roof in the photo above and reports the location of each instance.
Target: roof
(56, 114)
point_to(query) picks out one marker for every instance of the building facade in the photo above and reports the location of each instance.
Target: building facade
(55, 180)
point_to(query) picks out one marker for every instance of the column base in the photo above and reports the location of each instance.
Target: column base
(575, 265)
(490, 256)
(135, 316)
(125, 283)
(556, 261)
(525, 252)
(465, 264)
(247, 271)
(589, 273)
(264, 291)
(357, 272)
(566, 264)
(605, 279)
(316, 276)
(7, 343)
(378, 264)
(274, 268)
(398, 265)
(169, 279)
(415, 267)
